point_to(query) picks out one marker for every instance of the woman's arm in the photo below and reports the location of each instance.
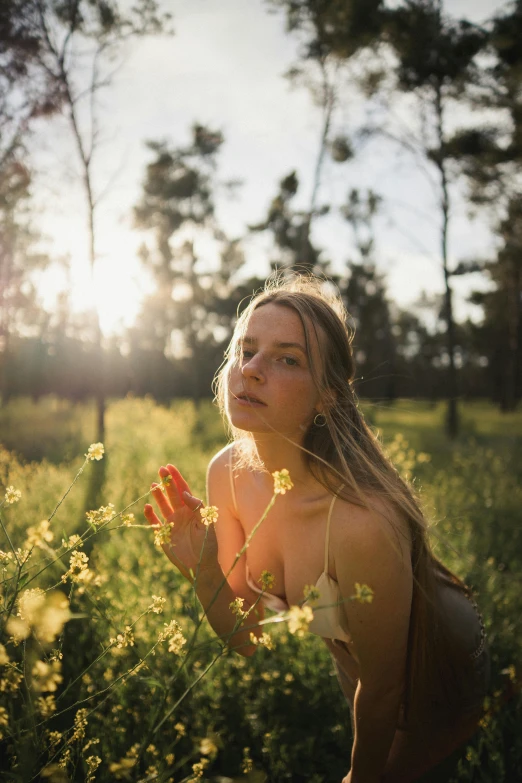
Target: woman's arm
(209, 554)
(230, 538)
(368, 551)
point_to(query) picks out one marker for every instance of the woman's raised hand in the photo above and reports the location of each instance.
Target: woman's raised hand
(185, 543)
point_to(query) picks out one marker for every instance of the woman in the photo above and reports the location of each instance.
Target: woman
(413, 663)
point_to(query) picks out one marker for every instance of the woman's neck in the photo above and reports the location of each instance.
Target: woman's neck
(277, 453)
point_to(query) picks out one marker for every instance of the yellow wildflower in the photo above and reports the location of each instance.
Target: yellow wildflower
(12, 495)
(311, 593)
(4, 720)
(165, 481)
(65, 759)
(180, 728)
(209, 515)
(22, 555)
(162, 534)
(128, 520)
(45, 613)
(122, 768)
(95, 451)
(282, 481)
(207, 747)
(247, 765)
(80, 724)
(264, 640)
(77, 564)
(39, 535)
(363, 593)
(46, 677)
(198, 769)
(72, 541)
(299, 619)
(157, 604)
(18, 629)
(236, 607)
(172, 631)
(46, 706)
(30, 604)
(125, 639)
(93, 762)
(101, 515)
(4, 658)
(11, 679)
(267, 580)
(53, 738)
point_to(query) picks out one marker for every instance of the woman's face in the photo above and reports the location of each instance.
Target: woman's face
(274, 369)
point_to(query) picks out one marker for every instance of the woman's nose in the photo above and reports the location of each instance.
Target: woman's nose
(252, 367)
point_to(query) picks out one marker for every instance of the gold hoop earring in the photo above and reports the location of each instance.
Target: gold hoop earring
(320, 420)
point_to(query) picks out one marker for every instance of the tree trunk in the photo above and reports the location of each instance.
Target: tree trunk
(305, 261)
(100, 379)
(452, 415)
(509, 391)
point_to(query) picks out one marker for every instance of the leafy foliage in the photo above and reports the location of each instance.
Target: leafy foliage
(141, 710)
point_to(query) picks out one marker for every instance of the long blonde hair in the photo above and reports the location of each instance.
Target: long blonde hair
(348, 451)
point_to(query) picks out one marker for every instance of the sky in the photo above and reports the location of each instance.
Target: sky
(224, 67)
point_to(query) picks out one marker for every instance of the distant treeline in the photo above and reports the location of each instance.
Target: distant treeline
(396, 355)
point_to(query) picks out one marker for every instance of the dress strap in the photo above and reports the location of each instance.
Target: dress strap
(327, 537)
(231, 474)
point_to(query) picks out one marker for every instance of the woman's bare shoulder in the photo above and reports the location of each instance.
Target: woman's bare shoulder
(375, 526)
(222, 459)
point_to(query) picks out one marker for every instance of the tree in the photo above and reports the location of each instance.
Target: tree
(335, 34)
(500, 334)
(26, 91)
(436, 58)
(18, 259)
(365, 296)
(491, 158)
(69, 39)
(186, 317)
(291, 230)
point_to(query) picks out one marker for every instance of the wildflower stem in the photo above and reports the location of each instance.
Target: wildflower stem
(87, 534)
(236, 559)
(75, 479)
(187, 691)
(100, 656)
(10, 542)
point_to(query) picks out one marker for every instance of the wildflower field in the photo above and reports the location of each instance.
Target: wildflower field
(108, 669)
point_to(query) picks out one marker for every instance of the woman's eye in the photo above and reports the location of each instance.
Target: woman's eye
(247, 353)
(291, 359)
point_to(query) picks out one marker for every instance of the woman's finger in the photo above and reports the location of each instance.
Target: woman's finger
(150, 515)
(191, 502)
(178, 478)
(173, 492)
(161, 500)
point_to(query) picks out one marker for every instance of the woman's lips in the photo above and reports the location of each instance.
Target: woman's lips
(249, 403)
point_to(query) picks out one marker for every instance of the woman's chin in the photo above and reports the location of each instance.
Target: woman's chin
(248, 424)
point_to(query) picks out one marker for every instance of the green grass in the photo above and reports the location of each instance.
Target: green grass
(470, 488)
